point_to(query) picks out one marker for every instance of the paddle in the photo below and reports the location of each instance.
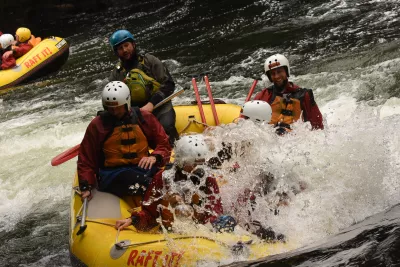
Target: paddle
(83, 226)
(65, 156)
(214, 110)
(73, 152)
(251, 90)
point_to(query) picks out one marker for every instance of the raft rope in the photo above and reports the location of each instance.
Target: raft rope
(121, 245)
(190, 122)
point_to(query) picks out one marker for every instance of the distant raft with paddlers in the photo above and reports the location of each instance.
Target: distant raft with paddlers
(100, 244)
(45, 57)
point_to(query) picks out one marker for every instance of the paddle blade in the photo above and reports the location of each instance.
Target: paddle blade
(65, 156)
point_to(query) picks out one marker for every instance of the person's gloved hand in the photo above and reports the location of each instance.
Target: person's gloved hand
(224, 223)
(266, 233)
(86, 190)
(124, 223)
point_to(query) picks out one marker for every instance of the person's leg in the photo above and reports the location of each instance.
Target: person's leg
(128, 183)
(167, 117)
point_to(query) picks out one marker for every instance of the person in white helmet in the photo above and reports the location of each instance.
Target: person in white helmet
(114, 153)
(288, 101)
(7, 60)
(189, 186)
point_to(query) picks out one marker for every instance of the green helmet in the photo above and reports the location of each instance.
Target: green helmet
(120, 37)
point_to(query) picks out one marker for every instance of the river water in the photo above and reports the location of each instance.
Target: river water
(347, 51)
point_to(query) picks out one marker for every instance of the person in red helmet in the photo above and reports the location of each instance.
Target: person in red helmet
(288, 101)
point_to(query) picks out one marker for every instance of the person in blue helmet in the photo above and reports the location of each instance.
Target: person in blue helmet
(147, 78)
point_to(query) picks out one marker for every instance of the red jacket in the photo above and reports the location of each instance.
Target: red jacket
(91, 149)
(8, 63)
(151, 200)
(212, 203)
(21, 49)
(310, 109)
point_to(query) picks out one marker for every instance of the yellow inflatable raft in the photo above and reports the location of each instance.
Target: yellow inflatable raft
(188, 119)
(102, 245)
(45, 57)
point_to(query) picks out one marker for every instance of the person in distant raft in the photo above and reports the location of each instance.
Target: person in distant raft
(114, 153)
(147, 78)
(6, 62)
(23, 45)
(288, 101)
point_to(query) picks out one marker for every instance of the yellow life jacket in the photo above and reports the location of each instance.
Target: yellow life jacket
(285, 111)
(141, 85)
(126, 145)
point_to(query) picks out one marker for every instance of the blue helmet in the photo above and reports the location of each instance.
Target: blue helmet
(120, 37)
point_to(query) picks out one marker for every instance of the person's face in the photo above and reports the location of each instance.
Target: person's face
(126, 50)
(117, 112)
(278, 76)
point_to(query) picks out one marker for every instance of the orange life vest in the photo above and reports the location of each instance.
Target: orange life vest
(285, 111)
(126, 145)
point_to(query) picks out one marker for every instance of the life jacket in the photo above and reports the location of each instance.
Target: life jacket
(141, 85)
(287, 108)
(34, 41)
(126, 144)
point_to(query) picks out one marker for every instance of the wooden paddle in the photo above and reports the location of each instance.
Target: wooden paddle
(74, 151)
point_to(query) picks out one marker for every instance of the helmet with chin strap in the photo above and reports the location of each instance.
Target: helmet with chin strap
(24, 34)
(191, 148)
(119, 37)
(6, 40)
(116, 94)
(274, 62)
(257, 111)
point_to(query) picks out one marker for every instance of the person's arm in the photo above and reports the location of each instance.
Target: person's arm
(21, 50)
(161, 74)
(213, 204)
(8, 62)
(88, 157)
(145, 219)
(157, 138)
(312, 113)
(263, 95)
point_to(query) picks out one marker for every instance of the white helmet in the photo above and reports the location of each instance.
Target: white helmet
(257, 111)
(116, 94)
(190, 148)
(276, 61)
(6, 40)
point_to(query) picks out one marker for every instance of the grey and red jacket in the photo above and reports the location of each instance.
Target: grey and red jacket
(309, 107)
